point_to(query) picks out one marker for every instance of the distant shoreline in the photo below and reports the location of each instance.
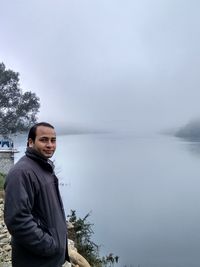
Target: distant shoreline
(190, 131)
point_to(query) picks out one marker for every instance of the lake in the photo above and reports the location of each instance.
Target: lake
(143, 192)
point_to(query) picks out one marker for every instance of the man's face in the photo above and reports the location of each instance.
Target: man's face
(45, 141)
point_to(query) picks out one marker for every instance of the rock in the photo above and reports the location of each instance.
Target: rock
(3, 235)
(77, 259)
(5, 248)
(69, 225)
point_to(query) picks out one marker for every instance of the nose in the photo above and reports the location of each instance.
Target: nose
(50, 143)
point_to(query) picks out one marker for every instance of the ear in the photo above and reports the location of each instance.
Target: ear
(30, 142)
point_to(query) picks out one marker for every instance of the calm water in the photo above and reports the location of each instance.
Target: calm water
(142, 191)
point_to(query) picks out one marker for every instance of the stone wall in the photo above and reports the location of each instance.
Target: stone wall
(5, 248)
(6, 160)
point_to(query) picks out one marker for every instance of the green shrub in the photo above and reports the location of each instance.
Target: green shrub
(2, 180)
(81, 234)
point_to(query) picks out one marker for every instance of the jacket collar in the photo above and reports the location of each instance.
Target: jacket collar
(44, 162)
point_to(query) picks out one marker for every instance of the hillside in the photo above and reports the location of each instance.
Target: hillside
(190, 131)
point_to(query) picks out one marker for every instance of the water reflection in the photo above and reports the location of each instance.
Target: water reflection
(192, 145)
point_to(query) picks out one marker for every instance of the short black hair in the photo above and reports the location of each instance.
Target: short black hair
(32, 131)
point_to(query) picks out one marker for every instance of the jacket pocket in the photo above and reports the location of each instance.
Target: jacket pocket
(43, 226)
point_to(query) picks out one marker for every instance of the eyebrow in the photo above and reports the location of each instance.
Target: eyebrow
(46, 137)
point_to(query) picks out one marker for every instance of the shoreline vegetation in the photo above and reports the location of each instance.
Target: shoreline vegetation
(190, 131)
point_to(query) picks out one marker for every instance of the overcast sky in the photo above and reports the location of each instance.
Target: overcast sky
(106, 63)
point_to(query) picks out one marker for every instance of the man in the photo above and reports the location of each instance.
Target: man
(34, 212)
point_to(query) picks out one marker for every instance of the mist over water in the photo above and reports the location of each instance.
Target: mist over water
(143, 192)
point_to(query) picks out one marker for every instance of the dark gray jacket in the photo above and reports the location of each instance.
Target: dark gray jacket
(34, 213)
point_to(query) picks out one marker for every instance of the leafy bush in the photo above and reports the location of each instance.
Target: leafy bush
(81, 234)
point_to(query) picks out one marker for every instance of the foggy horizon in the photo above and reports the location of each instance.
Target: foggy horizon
(109, 65)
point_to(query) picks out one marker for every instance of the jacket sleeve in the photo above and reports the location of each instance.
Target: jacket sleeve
(19, 199)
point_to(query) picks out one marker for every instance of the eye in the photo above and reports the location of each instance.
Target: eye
(43, 139)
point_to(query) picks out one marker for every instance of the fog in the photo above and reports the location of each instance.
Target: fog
(106, 64)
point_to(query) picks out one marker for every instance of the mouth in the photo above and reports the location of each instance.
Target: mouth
(48, 151)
